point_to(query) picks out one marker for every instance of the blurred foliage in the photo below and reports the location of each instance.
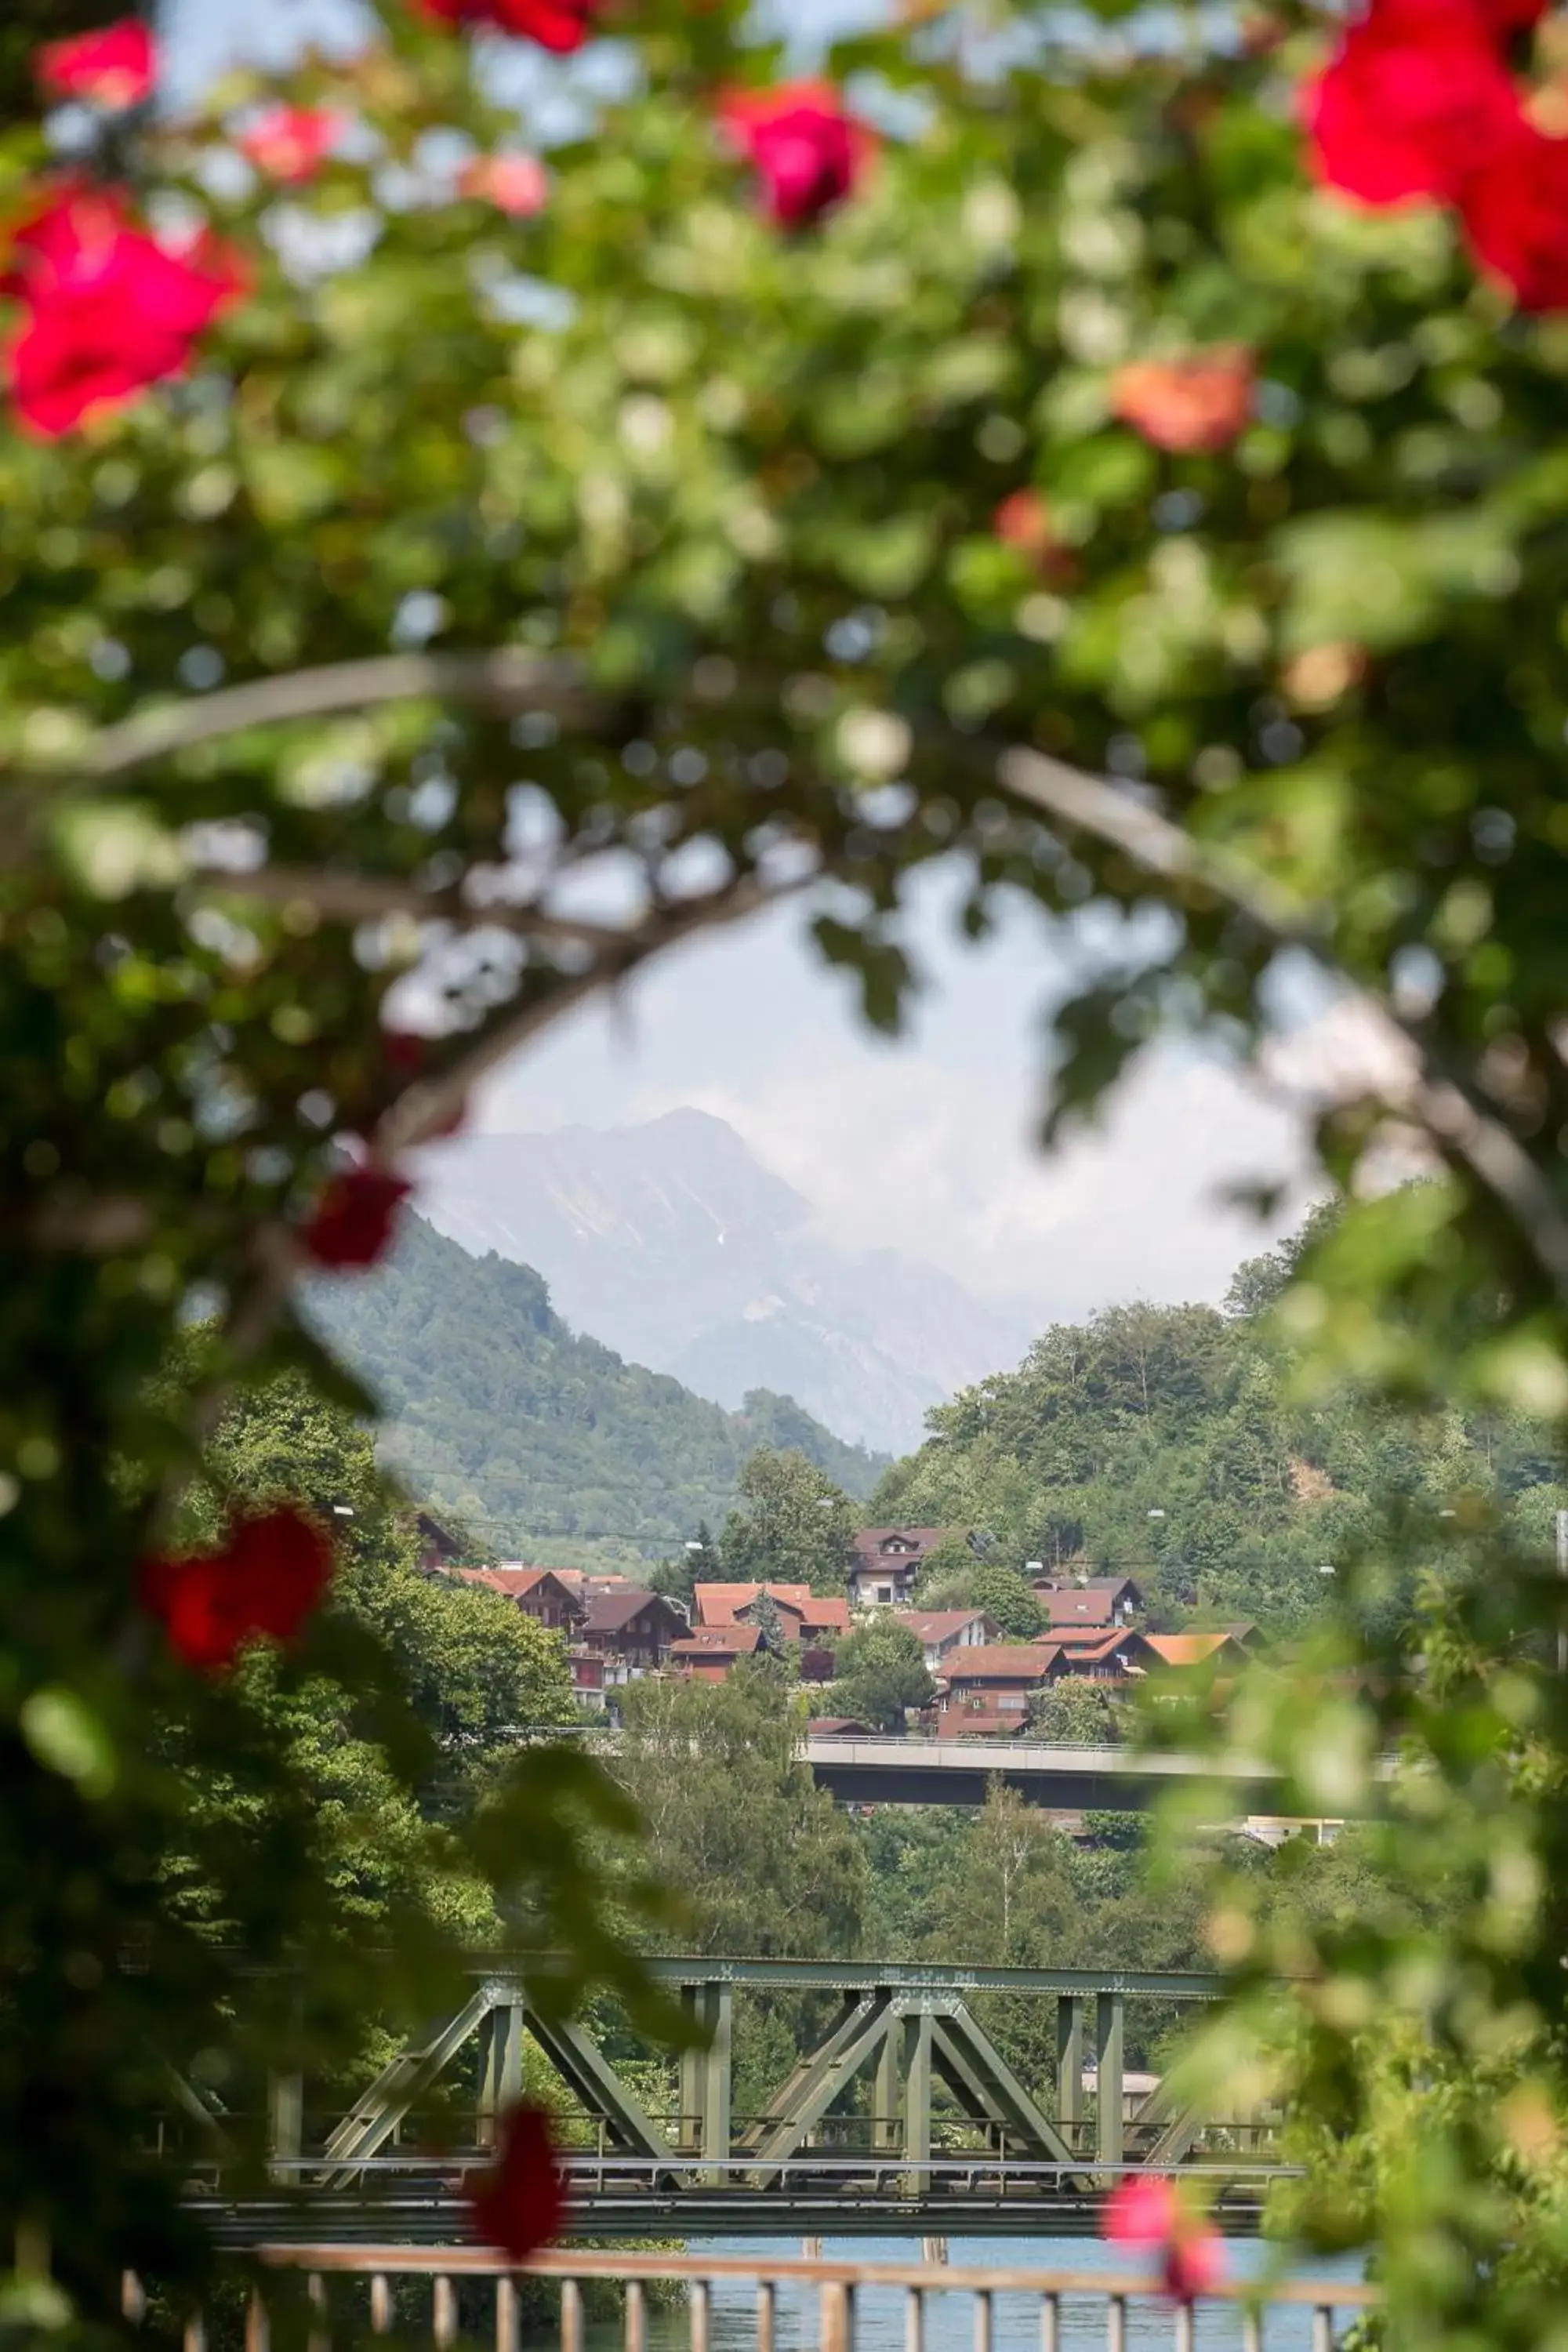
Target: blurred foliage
(715, 508)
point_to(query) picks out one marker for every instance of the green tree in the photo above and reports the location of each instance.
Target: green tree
(761, 1858)
(697, 1562)
(1077, 1712)
(792, 1525)
(878, 1673)
(1007, 1597)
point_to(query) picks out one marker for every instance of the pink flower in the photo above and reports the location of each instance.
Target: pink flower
(353, 1223)
(1516, 218)
(516, 184)
(263, 1583)
(106, 309)
(558, 25)
(807, 152)
(1417, 99)
(520, 2204)
(1201, 399)
(292, 142)
(1147, 2210)
(114, 69)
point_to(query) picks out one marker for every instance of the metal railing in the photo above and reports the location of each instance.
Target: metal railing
(834, 2284)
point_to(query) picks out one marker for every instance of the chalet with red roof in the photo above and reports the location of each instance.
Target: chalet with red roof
(542, 1593)
(986, 1689)
(1103, 1601)
(886, 1562)
(940, 1632)
(712, 1651)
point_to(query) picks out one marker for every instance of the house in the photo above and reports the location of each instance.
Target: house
(1102, 1653)
(939, 1632)
(542, 1593)
(803, 1615)
(1221, 1652)
(1100, 1600)
(987, 1688)
(839, 1727)
(633, 1627)
(437, 1548)
(588, 1679)
(711, 1651)
(885, 1563)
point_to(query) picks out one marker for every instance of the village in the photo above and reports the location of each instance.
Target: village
(616, 1632)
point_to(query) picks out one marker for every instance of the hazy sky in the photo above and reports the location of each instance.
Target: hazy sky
(926, 1144)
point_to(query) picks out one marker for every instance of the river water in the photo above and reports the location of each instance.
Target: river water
(949, 2321)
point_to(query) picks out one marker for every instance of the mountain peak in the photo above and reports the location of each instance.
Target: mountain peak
(672, 1243)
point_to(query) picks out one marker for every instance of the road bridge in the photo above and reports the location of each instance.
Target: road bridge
(893, 1772)
(901, 2108)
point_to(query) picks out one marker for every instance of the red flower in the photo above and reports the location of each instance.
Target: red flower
(1200, 401)
(114, 69)
(520, 2204)
(291, 143)
(266, 1580)
(1516, 218)
(1147, 2210)
(518, 185)
(558, 25)
(352, 1224)
(806, 151)
(106, 310)
(1417, 99)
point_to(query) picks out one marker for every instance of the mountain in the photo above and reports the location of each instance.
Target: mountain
(532, 1436)
(671, 1242)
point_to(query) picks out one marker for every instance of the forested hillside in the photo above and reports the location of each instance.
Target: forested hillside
(1172, 1442)
(533, 1435)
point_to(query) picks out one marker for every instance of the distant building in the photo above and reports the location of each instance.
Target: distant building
(711, 1651)
(886, 1562)
(839, 1727)
(436, 1548)
(1101, 1600)
(1102, 1653)
(1224, 1652)
(803, 1615)
(940, 1632)
(633, 1628)
(987, 1689)
(542, 1593)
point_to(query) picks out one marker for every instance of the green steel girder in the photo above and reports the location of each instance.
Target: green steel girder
(590, 2073)
(818, 2079)
(875, 1976)
(375, 2116)
(986, 2086)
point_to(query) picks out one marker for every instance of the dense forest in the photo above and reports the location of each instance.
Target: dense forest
(1178, 1443)
(541, 1442)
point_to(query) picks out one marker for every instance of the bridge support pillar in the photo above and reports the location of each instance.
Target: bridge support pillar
(917, 2039)
(1070, 2063)
(1109, 2022)
(501, 2067)
(886, 2092)
(705, 2076)
(286, 2124)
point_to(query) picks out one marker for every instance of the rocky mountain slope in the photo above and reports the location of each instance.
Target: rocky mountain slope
(675, 1245)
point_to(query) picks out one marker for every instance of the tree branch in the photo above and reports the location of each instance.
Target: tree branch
(1438, 1099)
(426, 1107)
(511, 678)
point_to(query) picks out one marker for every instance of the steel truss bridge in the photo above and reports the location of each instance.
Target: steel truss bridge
(904, 2114)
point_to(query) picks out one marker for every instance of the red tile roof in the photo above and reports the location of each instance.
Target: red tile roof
(608, 1612)
(717, 1603)
(718, 1641)
(936, 1624)
(1001, 1661)
(1077, 1604)
(1189, 1649)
